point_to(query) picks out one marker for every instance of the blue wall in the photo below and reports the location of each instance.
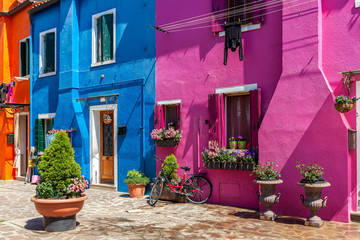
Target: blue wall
(132, 76)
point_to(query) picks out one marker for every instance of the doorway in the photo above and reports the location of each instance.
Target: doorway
(21, 141)
(103, 145)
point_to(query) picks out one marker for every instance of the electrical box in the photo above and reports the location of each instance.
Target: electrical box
(352, 139)
(122, 130)
(10, 138)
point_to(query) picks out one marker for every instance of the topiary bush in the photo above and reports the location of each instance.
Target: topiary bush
(58, 166)
(170, 167)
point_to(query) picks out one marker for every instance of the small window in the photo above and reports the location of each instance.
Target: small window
(168, 115)
(48, 52)
(25, 57)
(103, 46)
(237, 116)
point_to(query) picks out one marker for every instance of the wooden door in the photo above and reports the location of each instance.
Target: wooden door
(107, 149)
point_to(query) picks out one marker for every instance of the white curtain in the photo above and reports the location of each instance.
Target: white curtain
(17, 141)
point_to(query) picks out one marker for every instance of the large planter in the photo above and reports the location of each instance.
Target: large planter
(313, 201)
(168, 143)
(59, 214)
(344, 107)
(268, 197)
(213, 165)
(136, 190)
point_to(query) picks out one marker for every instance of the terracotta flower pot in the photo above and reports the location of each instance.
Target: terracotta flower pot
(59, 214)
(107, 121)
(136, 190)
(313, 201)
(268, 197)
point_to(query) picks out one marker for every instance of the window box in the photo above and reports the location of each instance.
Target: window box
(213, 165)
(166, 143)
(230, 165)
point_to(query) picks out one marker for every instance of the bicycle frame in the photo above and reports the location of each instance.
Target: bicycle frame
(175, 188)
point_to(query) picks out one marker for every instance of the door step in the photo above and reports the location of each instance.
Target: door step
(103, 187)
(355, 216)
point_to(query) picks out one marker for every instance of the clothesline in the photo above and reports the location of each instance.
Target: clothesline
(296, 5)
(228, 13)
(54, 131)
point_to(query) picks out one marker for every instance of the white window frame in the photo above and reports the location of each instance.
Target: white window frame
(42, 56)
(94, 63)
(357, 3)
(21, 41)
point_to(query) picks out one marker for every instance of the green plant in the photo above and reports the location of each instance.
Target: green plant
(136, 177)
(266, 171)
(58, 166)
(45, 190)
(170, 167)
(345, 99)
(310, 172)
(163, 134)
(77, 187)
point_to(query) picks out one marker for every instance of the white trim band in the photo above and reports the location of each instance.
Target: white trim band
(235, 89)
(169, 102)
(46, 115)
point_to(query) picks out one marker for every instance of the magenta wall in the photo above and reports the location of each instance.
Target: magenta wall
(285, 58)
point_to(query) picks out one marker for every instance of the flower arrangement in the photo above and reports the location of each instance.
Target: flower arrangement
(266, 171)
(345, 99)
(241, 138)
(232, 139)
(310, 173)
(77, 187)
(163, 134)
(106, 116)
(171, 125)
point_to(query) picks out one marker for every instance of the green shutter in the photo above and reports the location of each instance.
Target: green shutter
(107, 40)
(51, 124)
(27, 58)
(39, 135)
(22, 59)
(98, 39)
(49, 52)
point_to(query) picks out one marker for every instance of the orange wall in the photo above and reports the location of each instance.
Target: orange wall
(12, 29)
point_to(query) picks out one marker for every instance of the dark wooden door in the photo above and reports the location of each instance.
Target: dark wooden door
(107, 148)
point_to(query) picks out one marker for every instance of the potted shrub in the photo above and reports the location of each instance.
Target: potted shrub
(344, 104)
(61, 192)
(313, 184)
(166, 137)
(107, 118)
(267, 177)
(241, 141)
(232, 143)
(136, 182)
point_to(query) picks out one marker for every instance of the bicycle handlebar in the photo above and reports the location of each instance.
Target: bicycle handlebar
(157, 158)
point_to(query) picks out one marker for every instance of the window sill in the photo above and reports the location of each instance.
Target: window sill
(47, 74)
(97, 64)
(244, 29)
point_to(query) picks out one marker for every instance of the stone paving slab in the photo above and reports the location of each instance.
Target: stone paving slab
(114, 215)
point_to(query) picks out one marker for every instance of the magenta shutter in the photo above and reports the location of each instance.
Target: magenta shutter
(222, 142)
(162, 116)
(214, 126)
(255, 113)
(217, 7)
(157, 116)
(178, 116)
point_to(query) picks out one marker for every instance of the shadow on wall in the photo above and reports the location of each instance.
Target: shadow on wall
(315, 142)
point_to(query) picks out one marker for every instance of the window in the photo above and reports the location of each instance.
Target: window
(103, 41)
(47, 62)
(248, 12)
(234, 113)
(24, 57)
(42, 126)
(167, 114)
(357, 3)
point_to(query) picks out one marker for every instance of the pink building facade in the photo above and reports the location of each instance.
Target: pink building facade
(294, 57)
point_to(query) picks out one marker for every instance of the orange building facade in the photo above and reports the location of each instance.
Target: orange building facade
(15, 69)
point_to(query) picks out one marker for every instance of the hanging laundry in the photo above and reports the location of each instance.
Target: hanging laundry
(3, 92)
(10, 92)
(233, 39)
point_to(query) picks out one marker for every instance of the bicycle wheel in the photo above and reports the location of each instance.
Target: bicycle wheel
(156, 191)
(202, 192)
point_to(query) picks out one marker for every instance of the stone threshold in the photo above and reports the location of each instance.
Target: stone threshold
(103, 187)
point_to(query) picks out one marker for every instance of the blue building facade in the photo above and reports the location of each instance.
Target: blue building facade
(93, 61)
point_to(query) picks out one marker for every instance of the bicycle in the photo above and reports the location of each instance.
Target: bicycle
(197, 189)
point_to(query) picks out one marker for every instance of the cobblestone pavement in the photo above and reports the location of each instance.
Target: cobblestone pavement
(113, 215)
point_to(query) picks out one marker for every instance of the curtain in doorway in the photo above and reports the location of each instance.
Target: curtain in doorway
(17, 141)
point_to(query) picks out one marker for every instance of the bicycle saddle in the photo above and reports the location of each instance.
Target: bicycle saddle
(186, 168)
